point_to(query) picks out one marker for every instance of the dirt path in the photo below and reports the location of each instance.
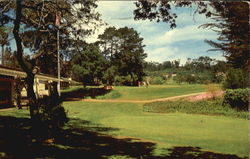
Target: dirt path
(189, 97)
(145, 101)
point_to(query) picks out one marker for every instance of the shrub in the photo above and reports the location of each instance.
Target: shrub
(204, 78)
(218, 78)
(118, 80)
(157, 80)
(53, 115)
(237, 98)
(209, 107)
(190, 79)
(179, 78)
(124, 80)
(236, 78)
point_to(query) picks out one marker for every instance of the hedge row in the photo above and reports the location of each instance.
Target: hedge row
(237, 98)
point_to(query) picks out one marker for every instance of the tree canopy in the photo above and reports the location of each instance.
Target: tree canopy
(39, 31)
(89, 65)
(232, 25)
(123, 48)
(116, 58)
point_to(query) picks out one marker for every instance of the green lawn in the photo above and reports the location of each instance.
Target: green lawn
(153, 92)
(103, 129)
(212, 133)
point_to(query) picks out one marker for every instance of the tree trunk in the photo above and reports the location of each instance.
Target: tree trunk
(2, 54)
(33, 102)
(133, 79)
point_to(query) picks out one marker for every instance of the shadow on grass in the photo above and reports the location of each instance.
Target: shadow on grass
(83, 93)
(80, 139)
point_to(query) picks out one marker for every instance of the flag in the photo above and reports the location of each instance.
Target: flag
(58, 19)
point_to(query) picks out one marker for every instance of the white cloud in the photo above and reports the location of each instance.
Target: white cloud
(110, 12)
(186, 33)
(182, 34)
(114, 9)
(162, 54)
(120, 14)
(170, 53)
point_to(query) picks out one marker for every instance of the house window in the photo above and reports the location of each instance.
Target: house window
(46, 85)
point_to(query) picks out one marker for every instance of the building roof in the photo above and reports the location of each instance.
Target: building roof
(17, 73)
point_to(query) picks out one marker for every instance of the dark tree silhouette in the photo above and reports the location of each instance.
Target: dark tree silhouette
(35, 29)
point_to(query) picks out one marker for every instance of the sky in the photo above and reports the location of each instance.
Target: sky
(162, 43)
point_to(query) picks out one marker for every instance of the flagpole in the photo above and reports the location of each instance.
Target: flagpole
(57, 23)
(58, 63)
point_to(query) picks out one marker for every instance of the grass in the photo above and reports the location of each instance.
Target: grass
(208, 107)
(73, 88)
(213, 133)
(217, 134)
(209, 133)
(114, 94)
(153, 92)
(175, 128)
(22, 113)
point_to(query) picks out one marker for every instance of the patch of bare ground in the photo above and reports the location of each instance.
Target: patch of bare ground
(206, 95)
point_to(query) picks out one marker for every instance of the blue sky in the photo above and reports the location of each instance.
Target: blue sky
(162, 43)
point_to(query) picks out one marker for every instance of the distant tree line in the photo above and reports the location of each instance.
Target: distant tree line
(156, 66)
(200, 70)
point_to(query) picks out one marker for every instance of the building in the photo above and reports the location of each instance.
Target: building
(8, 77)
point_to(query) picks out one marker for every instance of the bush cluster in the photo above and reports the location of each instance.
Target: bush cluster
(199, 78)
(209, 107)
(236, 78)
(52, 114)
(157, 80)
(237, 98)
(125, 80)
